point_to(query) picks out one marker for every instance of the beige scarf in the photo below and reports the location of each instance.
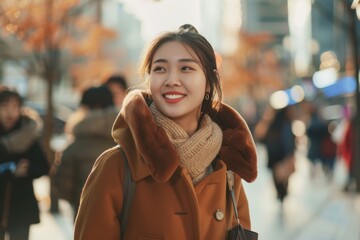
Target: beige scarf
(197, 151)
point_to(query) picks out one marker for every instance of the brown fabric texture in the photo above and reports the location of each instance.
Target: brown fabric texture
(237, 150)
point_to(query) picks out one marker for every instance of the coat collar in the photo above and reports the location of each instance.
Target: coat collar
(135, 128)
(97, 122)
(22, 137)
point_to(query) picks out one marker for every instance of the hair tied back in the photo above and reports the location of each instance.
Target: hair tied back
(187, 28)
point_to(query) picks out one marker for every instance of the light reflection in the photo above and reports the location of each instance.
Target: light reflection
(325, 77)
(283, 98)
(11, 28)
(300, 35)
(297, 93)
(298, 128)
(279, 99)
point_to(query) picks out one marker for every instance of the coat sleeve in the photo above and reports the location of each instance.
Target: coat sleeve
(101, 199)
(64, 177)
(39, 164)
(243, 207)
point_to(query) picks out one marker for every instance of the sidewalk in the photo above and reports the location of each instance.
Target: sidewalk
(315, 209)
(57, 226)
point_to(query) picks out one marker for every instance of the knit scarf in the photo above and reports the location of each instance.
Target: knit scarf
(197, 151)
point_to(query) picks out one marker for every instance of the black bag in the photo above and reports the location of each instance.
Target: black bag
(237, 232)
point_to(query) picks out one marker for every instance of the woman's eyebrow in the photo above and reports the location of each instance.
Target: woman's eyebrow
(161, 60)
(189, 60)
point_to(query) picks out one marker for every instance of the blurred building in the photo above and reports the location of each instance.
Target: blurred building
(129, 43)
(266, 16)
(331, 30)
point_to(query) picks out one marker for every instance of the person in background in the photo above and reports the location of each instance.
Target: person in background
(344, 135)
(22, 159)
(90, 129)
(322, 149)
(347, 151)
(180, 140)
(279, 140)
(118, 86)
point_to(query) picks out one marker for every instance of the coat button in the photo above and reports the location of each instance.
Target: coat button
(219, 215)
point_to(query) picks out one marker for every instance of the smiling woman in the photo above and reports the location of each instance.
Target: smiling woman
(178, 84)
(179, 140)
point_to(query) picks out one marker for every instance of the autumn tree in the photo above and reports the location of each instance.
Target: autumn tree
(252, 67)
(51, 31)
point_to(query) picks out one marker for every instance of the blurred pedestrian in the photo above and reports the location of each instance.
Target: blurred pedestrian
(22, 159)
(118, 86)
(179, 139)
(322, 149)
(279, 141)
(347, 151)
(90, 128)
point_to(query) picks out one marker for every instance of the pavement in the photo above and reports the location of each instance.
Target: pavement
(315, 209)
(52, 226)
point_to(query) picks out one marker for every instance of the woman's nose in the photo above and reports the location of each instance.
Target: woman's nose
(173, 78)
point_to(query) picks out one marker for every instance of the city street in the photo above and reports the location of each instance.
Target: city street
(314, 210)
(290, 68)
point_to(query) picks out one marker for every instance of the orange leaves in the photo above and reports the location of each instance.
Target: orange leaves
(41, 24)
(250, 67)
(91, 73)
(91, 41)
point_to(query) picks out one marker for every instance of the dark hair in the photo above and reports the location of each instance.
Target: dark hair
(7, 94)
(117, 79)
(97, 97)
(189, 37)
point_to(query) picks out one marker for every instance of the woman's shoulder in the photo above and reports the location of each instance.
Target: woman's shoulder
(109, 159)
(107, 170)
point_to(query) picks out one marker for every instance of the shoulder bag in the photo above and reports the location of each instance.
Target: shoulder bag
(237, 232)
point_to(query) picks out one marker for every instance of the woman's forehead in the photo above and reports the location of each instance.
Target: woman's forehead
(175, 49)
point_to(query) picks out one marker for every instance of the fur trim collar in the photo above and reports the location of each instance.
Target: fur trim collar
(21, 139)
(136, 128)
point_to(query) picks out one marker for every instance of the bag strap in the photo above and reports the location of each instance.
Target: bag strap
(230, 183)
(128, 194)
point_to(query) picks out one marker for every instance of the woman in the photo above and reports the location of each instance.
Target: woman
(179, 140)
(90, 128)
(23, 160)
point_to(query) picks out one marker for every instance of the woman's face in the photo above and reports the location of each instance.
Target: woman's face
(178, 84)
(9, 113)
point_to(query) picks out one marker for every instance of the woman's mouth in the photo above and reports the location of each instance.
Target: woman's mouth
(174, 98)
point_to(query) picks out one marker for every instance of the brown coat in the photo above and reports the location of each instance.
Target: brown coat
(166, 204)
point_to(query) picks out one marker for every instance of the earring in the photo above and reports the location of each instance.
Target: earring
(207, 96)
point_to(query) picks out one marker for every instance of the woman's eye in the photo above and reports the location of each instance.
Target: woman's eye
(159, 69)
(186, 68)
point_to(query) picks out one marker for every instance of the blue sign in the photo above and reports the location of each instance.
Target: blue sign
(344, 85)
